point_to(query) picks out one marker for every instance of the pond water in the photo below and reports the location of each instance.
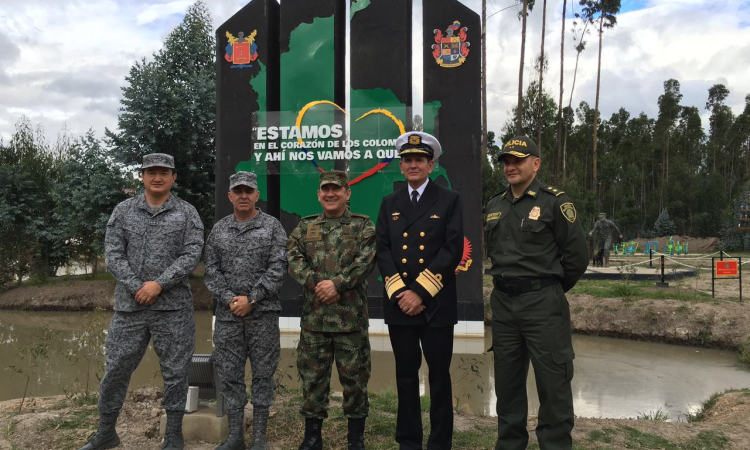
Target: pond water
(614, 378)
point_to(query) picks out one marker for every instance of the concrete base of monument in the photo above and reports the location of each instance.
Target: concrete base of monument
(465, 331)
(474, 344)
(636, 273)
(201, 425)
(378, 327)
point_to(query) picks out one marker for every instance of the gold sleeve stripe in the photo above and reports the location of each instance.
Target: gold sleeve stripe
(431, 282)
(438, 278)
(393, 284)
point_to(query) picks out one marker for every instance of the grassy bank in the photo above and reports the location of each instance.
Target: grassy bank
(57, 422)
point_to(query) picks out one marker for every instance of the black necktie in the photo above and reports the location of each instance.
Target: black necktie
(414, 195)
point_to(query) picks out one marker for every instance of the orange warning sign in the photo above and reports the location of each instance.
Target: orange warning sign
(726, 269)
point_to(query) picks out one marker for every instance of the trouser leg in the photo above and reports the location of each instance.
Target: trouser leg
(408, 356)
(550, 346)
(230, 354)
(353, 365)
(437, 345)
(511, 364)
(173, 334)
(127, 340)
(263, 346)
(314, 360)
(607, 245)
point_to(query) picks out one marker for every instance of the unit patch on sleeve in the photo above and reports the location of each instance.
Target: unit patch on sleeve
(569, 211)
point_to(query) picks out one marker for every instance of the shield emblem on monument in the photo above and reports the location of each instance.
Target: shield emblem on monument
(452, 48)
(241, 50)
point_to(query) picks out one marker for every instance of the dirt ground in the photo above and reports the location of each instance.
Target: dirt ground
(722, 321)
(81, 295)
(53, 423)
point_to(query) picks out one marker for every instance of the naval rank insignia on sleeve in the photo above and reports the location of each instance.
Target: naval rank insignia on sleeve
(569, 212)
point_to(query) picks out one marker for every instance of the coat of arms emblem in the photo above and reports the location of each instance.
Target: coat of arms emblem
(241, 50)
(452, 48)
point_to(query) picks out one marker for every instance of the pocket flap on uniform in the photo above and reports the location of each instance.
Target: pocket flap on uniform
(533, 226)
(491, 224)
(563, 355)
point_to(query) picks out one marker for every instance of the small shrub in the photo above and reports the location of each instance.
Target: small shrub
(658, 414)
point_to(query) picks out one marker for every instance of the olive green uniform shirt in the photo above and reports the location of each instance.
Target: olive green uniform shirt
(535, 236)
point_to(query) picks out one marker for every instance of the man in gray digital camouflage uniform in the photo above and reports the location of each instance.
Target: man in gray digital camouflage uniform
(153, 242)
(245, 268)
(603, 231)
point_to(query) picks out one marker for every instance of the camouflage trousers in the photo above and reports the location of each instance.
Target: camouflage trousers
(605, 243)
(315, 355)
(173, 335)
(256, 337)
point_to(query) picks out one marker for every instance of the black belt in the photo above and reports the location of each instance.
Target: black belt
(515, 288)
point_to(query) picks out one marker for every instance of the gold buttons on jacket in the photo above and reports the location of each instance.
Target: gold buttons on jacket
(421, 247)
(421, 233)
(421, 261)
(403, 260)
(406, 234)
(403, 274)
(405, 247)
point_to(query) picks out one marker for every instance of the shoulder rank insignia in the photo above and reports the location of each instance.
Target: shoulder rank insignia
(554, 191)
(434, 216)
(569, 212)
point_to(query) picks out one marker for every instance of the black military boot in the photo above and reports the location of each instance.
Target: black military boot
(173, 434)
(236, 438)
(313, 439)
(106, 436)
(260, 425)
(355, 438)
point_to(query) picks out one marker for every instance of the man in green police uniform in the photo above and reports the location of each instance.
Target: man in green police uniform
(538, 252)
(331, 254)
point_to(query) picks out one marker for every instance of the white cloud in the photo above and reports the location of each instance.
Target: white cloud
(159, 11)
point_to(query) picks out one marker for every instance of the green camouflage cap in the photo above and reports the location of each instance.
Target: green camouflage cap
(520, 147)
(157, 160)
(337, 177)
(248, 179)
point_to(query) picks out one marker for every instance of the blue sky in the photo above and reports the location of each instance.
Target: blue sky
(632, 5)
(63, 64)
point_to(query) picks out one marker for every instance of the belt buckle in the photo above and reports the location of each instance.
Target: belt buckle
(513, 290)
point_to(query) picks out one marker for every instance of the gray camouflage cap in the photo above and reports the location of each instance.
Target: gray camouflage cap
(157, 160)
(248, 179)
(337, 177)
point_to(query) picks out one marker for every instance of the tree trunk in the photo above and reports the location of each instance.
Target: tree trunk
(541, 79)
(559, 103)
(596, 113)
(519, 109)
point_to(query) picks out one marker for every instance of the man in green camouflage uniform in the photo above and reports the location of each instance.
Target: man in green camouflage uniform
(330, 255)
(603, 231)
